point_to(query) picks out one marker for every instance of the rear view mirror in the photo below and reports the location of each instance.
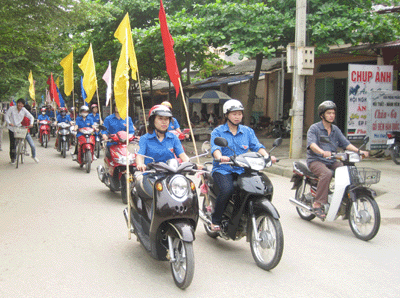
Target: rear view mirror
(206, 147)
(221, 142)
(277, 142)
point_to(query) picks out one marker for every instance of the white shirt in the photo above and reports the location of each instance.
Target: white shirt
(15, 117)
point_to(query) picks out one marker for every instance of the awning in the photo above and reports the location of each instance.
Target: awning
(209, 96)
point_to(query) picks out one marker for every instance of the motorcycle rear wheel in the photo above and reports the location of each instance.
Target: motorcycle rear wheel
(183, 266)
(124, 196)
(268, 251)
(97, 149)
(395, 153)
(88, 160)
(366, 227)
(303, 213)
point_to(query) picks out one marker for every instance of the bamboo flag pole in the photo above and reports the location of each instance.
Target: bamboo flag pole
(98, 104)
(141, 99)
(192, 135)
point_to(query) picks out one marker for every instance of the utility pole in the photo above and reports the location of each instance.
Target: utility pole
(297, 112)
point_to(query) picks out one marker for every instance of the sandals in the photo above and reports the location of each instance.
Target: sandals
(319, 212)
(215, 228)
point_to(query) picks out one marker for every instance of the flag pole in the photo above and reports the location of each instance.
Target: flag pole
(141, 99)
(98, 104)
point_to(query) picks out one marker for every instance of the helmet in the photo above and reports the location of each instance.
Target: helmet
(84, 109)
(72, 108)
(43, 110)
(63, 109)
(167, 104)
(160, 110)
(93, 106)
(232, 105)
(326, 105)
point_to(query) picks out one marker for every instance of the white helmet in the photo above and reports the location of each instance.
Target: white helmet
(231, 106)
(83, 109)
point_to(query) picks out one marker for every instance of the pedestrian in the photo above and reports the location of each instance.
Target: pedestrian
(14, 117)
(2, 123)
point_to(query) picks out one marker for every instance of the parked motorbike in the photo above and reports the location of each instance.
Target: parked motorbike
(280, 129)
(97, 146)
(44, 132)
(164, 215)
(63, 138)
(350, 197)
(112, 174)
(393, 143)
(86, 148)
(249, 211)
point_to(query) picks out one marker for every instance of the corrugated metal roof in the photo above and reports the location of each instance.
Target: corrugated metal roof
(250, 66)
(217, 81)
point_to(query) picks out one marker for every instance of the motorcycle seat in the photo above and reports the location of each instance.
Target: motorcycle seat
(303, 168)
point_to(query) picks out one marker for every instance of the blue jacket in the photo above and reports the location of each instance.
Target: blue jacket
(244, 140)
(66, 119)
(173, 124)
(96, 119)
(83, 123)
(160, 151)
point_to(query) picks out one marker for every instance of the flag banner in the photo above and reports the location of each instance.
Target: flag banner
(83, 92)
(12, 103)
(170, 59)
(120, 34)
(121, 81)
(53, 90)
(108, 79)
(68, 65)
(58, 82)
(31, 86)
(48, 99)
(62, 103)
(89, 74)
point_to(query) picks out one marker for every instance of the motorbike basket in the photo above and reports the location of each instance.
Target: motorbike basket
(364, 175)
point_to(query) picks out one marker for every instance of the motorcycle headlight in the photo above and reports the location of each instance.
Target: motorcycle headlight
(179, 186)
(354, 157)
(256, 163)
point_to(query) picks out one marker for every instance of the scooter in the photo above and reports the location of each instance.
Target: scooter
(112, 174)
(86, 148)
(393, 143)
(63, 138)
(349, 194)
(280, 130)
(97, 146)
(44, 132)
(164, 215)
(249, 212)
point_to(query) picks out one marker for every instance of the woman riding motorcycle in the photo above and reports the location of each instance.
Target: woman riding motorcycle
(81, 121)
(240, 138)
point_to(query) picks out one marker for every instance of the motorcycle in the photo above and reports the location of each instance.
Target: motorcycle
(164, 215)
(63, 138)
(97, 146)
(112, 174)
(280, 130)
(249, 211)
(44, 132)
(86, 148)
(393, 143)
(349, 195)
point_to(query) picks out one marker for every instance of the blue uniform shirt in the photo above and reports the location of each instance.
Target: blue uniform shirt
(313, 136)
(83, 123)
(66, 119)
(244, 140)
(114, 125)
(43, 117)
(160, 151)
(96, 118)
(173, 125)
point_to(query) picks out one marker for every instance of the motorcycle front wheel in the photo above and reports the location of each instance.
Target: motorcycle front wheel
(268, 249)
(366, 226)
(395, 153)
(45, 140)
(88, 160)
(64, 146)
(97, 149)
(183, 265)
(124, 196)
(303, 213)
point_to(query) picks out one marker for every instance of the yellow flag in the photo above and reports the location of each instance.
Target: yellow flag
(120, 34)
(58, 82)
(68, 64)
(121, 81)
(31, 86)
(89, 74)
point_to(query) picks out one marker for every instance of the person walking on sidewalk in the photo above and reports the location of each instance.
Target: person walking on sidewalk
(2, 122)
(317, 152)
(14, 117)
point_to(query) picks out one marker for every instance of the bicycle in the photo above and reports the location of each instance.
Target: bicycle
(20, 143)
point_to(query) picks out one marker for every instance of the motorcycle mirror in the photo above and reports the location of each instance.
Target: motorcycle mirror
(206, 147)
(221, 142)
(277, 142)
(366, 140)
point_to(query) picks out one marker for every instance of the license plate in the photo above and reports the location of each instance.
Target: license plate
(390, 142)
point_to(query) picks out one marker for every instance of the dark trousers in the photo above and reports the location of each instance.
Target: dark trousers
(325, 174)
(224, 188)
(12, 145)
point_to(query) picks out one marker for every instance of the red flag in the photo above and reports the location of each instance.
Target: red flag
(170, 60)
(53, 90)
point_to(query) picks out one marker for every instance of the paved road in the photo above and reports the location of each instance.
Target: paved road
(63, 235)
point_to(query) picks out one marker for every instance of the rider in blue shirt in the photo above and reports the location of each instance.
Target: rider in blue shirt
(158, 143)
(174, 124)
(94, 115)
(82, 121)
(241, 139)
(114, 123)
(62, 117)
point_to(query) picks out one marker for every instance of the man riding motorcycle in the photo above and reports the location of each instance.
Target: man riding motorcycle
(81, 122)
(62, 117)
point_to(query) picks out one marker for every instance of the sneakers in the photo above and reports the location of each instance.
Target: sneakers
(74, 156)
(35, 159)
(13, 161)
(94, 157)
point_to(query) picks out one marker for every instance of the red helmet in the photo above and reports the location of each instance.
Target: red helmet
(43, 110)
(63, 109)
(160, 110)
(93, 106)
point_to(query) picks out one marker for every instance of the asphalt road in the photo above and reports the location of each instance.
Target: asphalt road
(63, 234)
